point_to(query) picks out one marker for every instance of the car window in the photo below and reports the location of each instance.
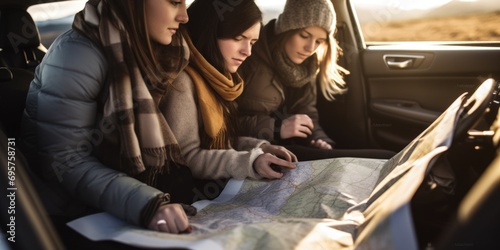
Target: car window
(380, 20)
(428, 20)
(270, 8)
(54, 18)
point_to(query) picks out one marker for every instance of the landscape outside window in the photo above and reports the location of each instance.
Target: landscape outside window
(429, 20)
(380, 20)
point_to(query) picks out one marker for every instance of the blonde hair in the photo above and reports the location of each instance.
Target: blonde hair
(330, 75)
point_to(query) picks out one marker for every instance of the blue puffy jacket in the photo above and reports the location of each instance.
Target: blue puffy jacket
(60, 128)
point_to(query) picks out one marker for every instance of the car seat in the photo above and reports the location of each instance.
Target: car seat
(14, 85)
(24, 219)
(20, 53)
(19, 39)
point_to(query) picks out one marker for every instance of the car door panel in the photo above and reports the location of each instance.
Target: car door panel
(413, 101)
(406, 98)
(397, 89)
(433, 59)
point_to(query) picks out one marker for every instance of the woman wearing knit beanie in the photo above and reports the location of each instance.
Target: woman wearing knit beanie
(295, 51)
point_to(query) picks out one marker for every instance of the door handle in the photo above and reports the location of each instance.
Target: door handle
(403, 61)
(400, 65)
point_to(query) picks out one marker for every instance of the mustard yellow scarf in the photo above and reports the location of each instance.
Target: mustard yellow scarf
(205, 77)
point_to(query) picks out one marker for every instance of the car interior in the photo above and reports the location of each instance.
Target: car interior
(386, 106)
(20, 39)
(461, 212)
(20, 52)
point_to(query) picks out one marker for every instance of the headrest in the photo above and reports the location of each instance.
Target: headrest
(5, 74)
(17, 30)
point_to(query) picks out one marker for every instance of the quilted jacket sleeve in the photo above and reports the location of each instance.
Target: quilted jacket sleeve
(60, 120)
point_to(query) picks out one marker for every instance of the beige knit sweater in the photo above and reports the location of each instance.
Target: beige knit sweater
(180, 108)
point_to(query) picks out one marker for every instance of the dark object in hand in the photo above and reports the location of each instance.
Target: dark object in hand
(277, 168)
(188, 230)
(188, 209)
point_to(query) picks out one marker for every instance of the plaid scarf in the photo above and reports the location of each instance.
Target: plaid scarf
(208, 82)
(146, 143)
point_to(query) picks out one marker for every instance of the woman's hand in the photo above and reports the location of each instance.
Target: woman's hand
(262, 166)
(279, 151)
(321, 144)
(170, 218)
(296, 126)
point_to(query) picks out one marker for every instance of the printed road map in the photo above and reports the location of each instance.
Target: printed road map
(303, 209)
(342, 203)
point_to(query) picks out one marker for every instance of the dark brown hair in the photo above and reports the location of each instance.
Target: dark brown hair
(219, 19)
(154, 60)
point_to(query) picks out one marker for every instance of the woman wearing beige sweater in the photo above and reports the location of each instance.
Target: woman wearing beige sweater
(200, 104)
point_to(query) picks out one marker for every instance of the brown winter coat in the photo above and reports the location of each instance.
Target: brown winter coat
(265, 101)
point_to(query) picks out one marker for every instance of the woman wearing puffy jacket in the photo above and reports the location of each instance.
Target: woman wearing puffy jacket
(92, 129)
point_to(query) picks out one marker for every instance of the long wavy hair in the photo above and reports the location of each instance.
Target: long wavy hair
(211, 20)
(154, 60)
(330, 75)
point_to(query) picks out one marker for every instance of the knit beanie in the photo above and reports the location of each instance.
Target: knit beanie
(299, 14)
